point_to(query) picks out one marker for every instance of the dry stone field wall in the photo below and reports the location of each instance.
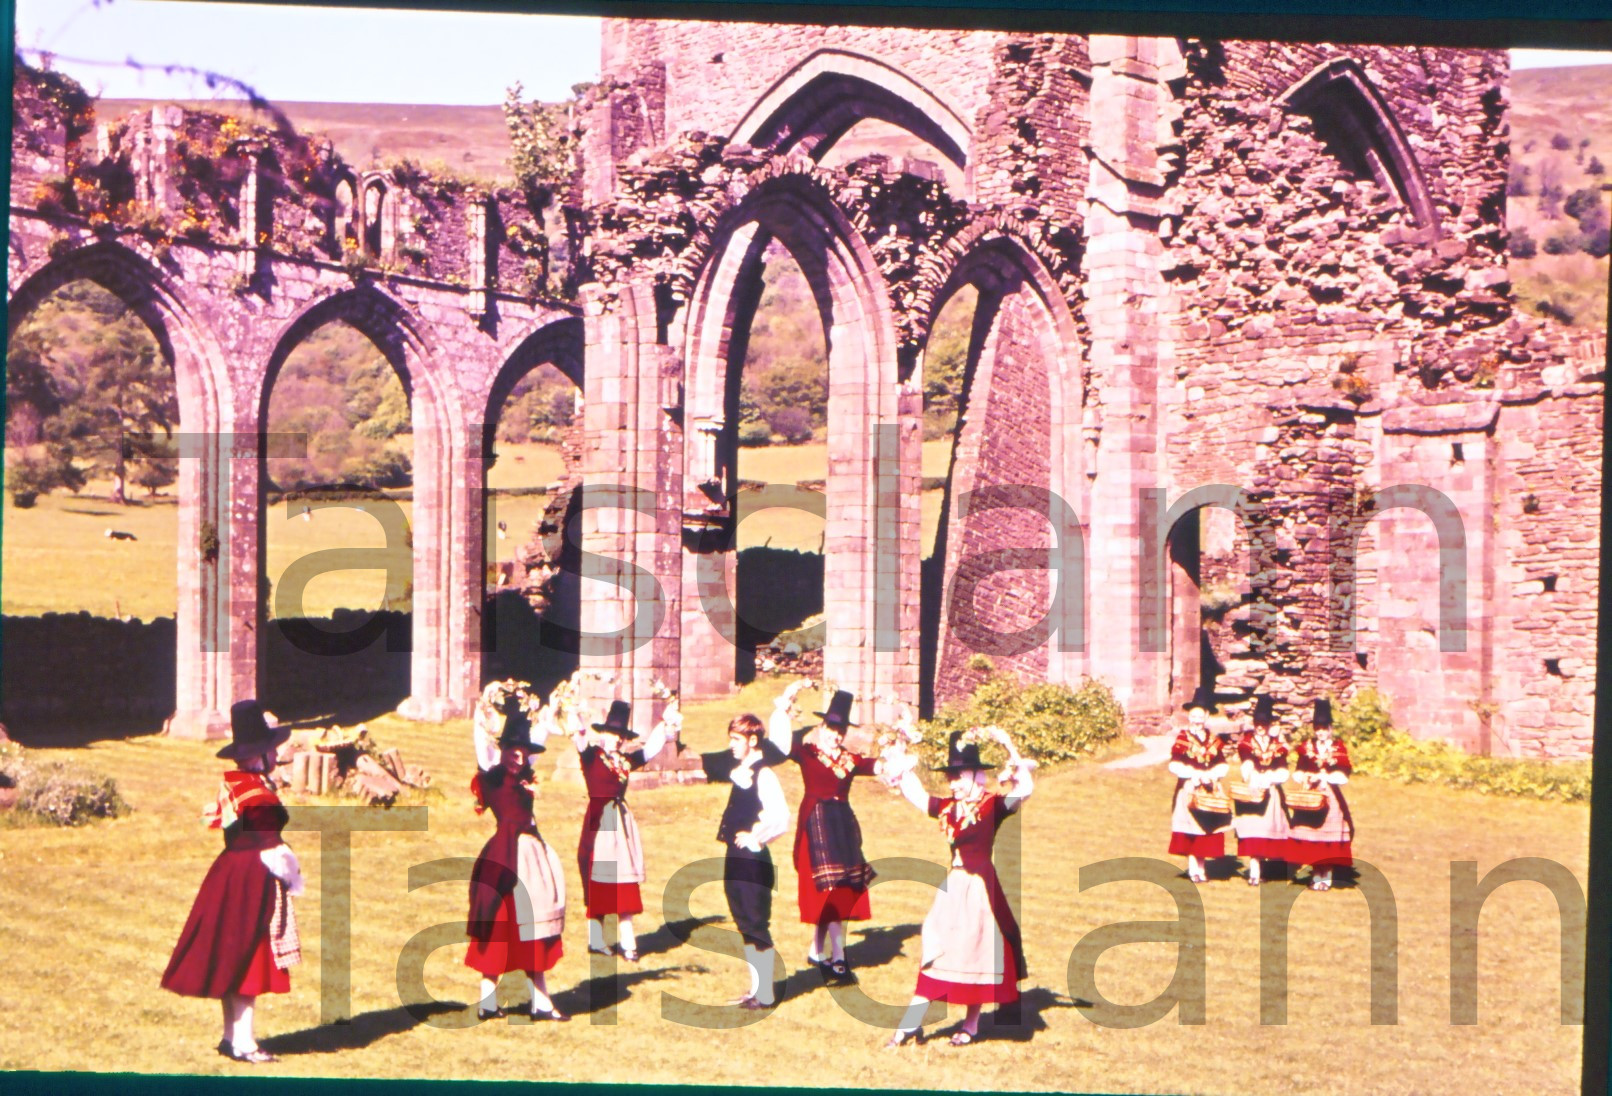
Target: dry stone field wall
(1247, 403)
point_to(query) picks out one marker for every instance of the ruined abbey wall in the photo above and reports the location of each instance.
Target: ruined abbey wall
(1248, 401)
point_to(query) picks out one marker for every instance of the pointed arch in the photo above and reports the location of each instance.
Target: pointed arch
(1352, 117)
(212, 645)
(865, 417)
(817, 101)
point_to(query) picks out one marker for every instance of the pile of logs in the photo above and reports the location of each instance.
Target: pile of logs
(346, 761)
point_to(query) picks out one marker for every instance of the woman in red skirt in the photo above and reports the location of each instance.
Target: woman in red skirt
(972, 951)
(517, 886)
(240, 939)
(1263, 835)
(1197, 760)
(832, 873)
(610, 853)
(1323, 839)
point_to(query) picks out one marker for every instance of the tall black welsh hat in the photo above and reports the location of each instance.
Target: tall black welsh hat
(1264, 708)
(1323, 713)
(1204, 698)
(618, 721)
(960, 755)
(517, 727)
(250, 733)
(839, 710)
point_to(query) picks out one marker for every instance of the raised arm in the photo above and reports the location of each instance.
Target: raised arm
(484, 736)
(781, 724)
(913, 790)
(1016, 778)
(666, 730)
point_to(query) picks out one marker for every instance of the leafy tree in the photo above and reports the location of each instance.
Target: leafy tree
(541, 138)
(1583, 203)
(1521, 244)
(1517, 180)
(1561, 242)
(1595, 167)
(1561, 142)
(1599, 242)
(794, 424)
(91, 384)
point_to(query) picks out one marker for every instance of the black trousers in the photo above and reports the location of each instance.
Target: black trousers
(748, 881)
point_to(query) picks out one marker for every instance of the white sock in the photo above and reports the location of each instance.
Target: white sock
(538, 984)
(1194, 866)
(1253, 867)
(971, 1020)
(1325, 875)
(624, 933)
(596, 935)
(241, 1031)
(762, 985)
(836, 938)
(752, 959)
(819, 931)
(913, 1018)
(489, 995)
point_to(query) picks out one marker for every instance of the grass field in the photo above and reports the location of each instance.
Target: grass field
(121, 891)
(56, 556)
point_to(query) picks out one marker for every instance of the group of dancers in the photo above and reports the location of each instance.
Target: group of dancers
(1280, 813)
(240, 940)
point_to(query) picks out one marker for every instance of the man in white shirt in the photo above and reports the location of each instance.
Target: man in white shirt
(755, 815)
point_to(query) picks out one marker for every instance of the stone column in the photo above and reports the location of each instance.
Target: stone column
(216, 659)
(631, 518)
(1129, 348)
(445, 667)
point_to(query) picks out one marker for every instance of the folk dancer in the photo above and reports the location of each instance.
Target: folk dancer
(517, 885)
(832, 873)
(610, 852)
(1263, 835)
(755, 814)
(240, 939)
(1197, 760)
(1323, 839)
(972, 950)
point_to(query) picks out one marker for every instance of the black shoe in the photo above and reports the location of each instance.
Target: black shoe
(257, 1056)
(551, 1013)
(842, 973)
(225, 1048)
(495, 1014)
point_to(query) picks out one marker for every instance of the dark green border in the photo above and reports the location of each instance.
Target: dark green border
(1474, 23)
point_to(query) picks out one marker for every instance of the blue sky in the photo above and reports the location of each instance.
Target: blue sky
(335, 55)
(306, 54)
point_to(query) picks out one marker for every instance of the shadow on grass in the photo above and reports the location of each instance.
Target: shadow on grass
(876, 947)
(363, 1030)
(605, 991)
(1020, 1021)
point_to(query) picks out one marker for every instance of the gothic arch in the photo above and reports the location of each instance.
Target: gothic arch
(206, 637)
(1352, 117)
(814, 104)
(1020, 310)
(854, 306)
(558, 343)
(445, 665)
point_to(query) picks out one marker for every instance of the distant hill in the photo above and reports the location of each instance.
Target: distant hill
(468, 140)
(1575, 103)
(1548, 107)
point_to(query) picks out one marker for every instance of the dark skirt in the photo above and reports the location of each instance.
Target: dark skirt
(831, 873)
(220, 948)
(748, 880)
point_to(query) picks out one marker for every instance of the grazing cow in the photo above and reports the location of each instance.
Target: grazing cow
(503, 531)
(119, 534)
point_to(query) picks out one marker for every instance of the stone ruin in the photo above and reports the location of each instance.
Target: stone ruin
(1249, 402)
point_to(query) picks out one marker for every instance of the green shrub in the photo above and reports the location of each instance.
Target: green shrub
(1047, 722)
(59, 792)
(1378, 748)
(755, 434)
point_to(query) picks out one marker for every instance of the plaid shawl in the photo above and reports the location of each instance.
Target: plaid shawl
(283, 939)
(835, 841)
